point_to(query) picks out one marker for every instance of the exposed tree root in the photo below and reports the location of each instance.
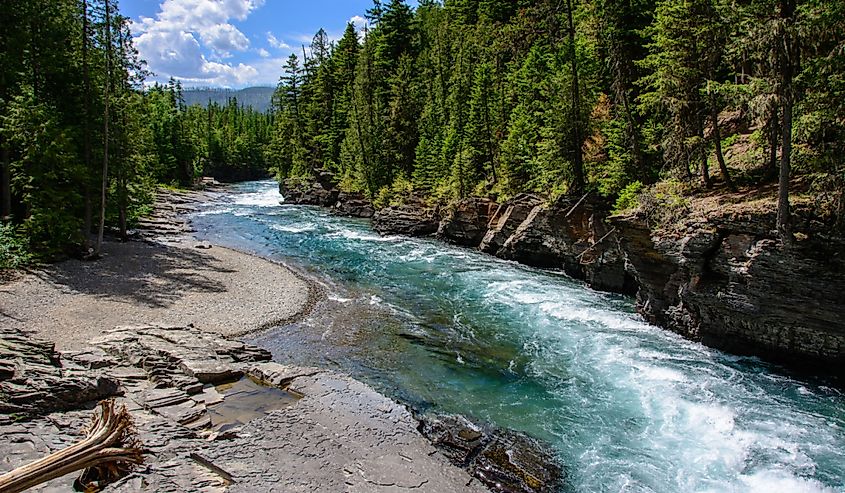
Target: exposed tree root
(110, 450)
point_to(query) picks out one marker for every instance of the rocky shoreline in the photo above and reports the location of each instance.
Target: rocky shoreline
(331, 433)
(722, 278)
(199, 405)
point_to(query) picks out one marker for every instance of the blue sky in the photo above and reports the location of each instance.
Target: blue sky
(231, 43)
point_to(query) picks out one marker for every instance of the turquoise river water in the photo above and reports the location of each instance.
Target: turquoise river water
(627, 406)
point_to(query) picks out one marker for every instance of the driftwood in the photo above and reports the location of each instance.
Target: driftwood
(110, 450)
(592, 247)
(576, 206)
(228, 479)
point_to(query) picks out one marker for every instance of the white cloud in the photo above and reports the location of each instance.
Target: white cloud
(224, 39)
(170, 42)
(359, 21)
(276, 43)
(263, 53)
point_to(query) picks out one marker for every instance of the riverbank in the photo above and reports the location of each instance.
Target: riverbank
(178, 303)
(706, 265)
(214, 288)
(214, 414)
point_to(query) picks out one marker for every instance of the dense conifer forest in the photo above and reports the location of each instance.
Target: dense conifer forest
(449, 100)
(84, 143)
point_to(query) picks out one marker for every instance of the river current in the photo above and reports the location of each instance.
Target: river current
(627, 406)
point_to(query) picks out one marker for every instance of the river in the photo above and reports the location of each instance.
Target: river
(627, 406)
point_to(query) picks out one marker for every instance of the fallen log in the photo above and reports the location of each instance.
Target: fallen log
(110, 450)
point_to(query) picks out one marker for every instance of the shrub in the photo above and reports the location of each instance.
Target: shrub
(664, 204)
(629, 197)
(14, 251)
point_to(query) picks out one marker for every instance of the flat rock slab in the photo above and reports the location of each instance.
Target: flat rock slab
(341, 435)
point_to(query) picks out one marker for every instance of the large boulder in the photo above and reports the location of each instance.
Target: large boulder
(465, 222)
(413, 218)
(505, 220)
(313, 193)
(729, 282)
(353, 205)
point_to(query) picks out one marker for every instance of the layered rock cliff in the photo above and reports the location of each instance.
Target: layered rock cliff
(729, 282)
(720, 277)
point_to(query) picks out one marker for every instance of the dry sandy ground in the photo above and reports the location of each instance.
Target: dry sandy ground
(217, 289)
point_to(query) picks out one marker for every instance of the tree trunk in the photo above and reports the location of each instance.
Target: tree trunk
(110, 451)
(620, 87)
(717, 140)
(705, 166)
(86, 115)
(784, 213)
(773, 134)
(122, 209)
(578, 156)
(788, 66)
(105, 184)
(489, 131)
(5, 183)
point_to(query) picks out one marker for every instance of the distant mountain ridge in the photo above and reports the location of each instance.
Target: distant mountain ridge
(259, 98)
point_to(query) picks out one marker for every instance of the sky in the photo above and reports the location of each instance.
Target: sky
(232, 43)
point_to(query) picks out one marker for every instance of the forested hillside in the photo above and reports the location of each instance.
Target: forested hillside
(497, 97)
(84, 144)
(485, 98)
(258, 98)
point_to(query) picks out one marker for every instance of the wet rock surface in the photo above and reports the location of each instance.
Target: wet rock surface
(308, 194)
(413, 218)
(323, 192)
(728, 282)
(337, 434)
(465, 223)
(503, 460)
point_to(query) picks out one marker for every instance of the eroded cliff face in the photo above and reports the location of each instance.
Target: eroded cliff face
(569, 235)
(722, 278)
(730, 283)
(323, 192)
(465, 222)
(572, 236)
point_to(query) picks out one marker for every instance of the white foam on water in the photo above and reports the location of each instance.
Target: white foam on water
(421, 254)
(215, 212)
(295, 228)
(263, 198)
(349, 234)
(697, 430)
(778, 481)
(636, 408)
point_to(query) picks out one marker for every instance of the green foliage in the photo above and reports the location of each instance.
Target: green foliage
(61, 67)
(14, 250)
(452, 99)
(628, 198)
(665, 203)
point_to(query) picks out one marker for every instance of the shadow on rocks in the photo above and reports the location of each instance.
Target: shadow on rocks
(142, 273)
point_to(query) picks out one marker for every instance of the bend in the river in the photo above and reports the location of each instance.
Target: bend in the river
(627, 406)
